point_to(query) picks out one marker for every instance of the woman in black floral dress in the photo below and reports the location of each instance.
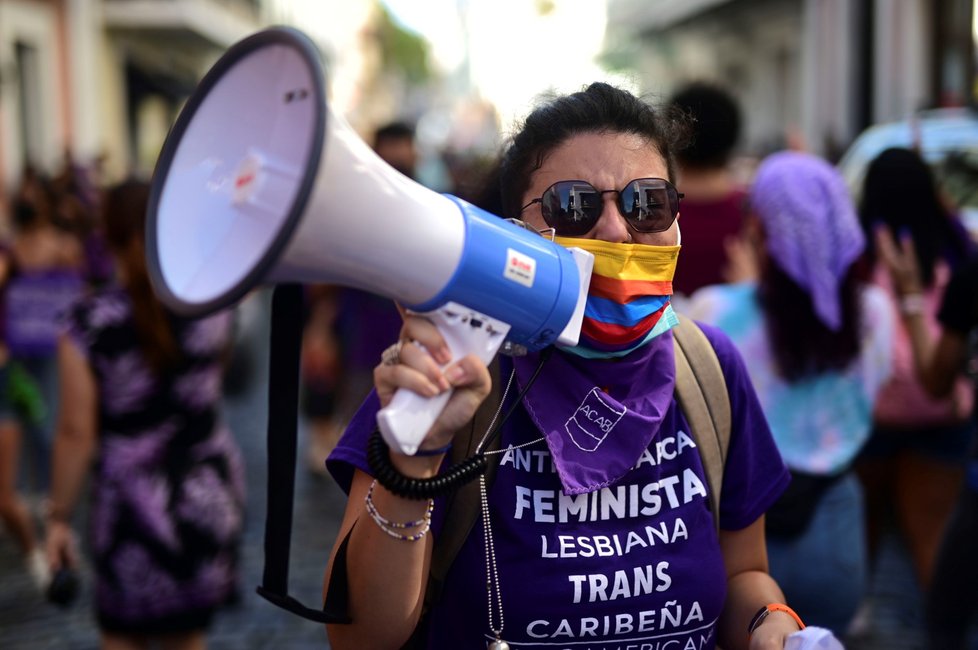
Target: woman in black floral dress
(141, 392)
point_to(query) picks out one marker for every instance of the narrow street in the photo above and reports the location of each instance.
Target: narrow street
(28, 622)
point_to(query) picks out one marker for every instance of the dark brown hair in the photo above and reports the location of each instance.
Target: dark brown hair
(716, 125)
(900, 192)
(124, 219)
(599, 108)
(803, 345)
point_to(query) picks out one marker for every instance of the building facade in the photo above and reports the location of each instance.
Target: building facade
(104, 80)
(814, 71)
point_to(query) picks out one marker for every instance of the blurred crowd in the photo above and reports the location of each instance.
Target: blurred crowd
(109, 400)
(854, 321)
(52, 252)
(840, 309)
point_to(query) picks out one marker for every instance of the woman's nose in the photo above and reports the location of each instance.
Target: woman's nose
(611, 226)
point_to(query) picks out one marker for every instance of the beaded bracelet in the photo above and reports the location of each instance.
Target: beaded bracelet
(369, 500)
(401, 536)
(393, 528)
(765, 611)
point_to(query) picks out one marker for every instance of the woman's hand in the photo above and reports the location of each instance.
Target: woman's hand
(900, 260)
(773, 632)
(61, 547)
(422, 355)
(745, 252)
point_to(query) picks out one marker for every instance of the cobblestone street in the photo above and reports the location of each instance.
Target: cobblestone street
(27, 622)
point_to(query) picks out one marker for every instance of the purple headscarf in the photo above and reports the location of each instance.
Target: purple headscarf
(811, 226)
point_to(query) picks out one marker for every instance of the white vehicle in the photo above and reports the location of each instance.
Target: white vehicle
(946, 138)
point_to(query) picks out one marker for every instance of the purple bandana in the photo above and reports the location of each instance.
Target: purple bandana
(599, 415)
(810, 224)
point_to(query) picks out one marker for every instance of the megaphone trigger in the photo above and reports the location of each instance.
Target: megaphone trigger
(406, 420)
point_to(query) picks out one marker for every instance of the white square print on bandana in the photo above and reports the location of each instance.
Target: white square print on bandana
(592, 421)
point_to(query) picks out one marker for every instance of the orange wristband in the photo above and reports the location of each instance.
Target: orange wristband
(766, 611)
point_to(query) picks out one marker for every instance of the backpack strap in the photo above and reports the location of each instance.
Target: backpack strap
(702, 394)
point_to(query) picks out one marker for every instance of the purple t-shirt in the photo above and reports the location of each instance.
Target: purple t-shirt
(706, 225)
(637, 564)
(366, 324)
(35, 302)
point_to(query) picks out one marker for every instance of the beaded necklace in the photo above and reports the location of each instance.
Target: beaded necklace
(492, 572)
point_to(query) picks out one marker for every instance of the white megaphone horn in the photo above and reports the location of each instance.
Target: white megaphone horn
(259, 182)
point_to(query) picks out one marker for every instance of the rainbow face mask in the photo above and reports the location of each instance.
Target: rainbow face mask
(629, 300)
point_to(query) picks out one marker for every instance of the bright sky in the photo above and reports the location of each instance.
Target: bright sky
(337, 30)
(438, 21)
(514, 53)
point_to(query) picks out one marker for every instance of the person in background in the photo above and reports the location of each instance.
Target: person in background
(714, 571)
(75, 214)
(41, 275)
(19, 401)
(44, 277)
(141, 410)
(951, 601)
(713, 201)
(394, 142)
(816, 341)
(321, 374)
(347, 329)
(912, 466)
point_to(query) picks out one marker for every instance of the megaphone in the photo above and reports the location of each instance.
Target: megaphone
(260, 182)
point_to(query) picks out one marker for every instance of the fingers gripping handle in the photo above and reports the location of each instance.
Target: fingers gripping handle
(408, 417)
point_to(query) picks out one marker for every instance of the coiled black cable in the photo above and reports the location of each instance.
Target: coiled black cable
(420, 489)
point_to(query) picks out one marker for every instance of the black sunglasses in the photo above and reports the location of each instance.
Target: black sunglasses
(572, 208)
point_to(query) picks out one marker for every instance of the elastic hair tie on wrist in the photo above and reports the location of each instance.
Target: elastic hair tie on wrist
(434, 452)
(766, 611)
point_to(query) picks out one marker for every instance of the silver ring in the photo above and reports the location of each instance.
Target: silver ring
(392, 355)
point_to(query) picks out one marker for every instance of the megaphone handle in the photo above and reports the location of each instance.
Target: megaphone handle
(408, 417)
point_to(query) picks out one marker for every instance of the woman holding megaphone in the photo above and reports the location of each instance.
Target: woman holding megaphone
(597, 521)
